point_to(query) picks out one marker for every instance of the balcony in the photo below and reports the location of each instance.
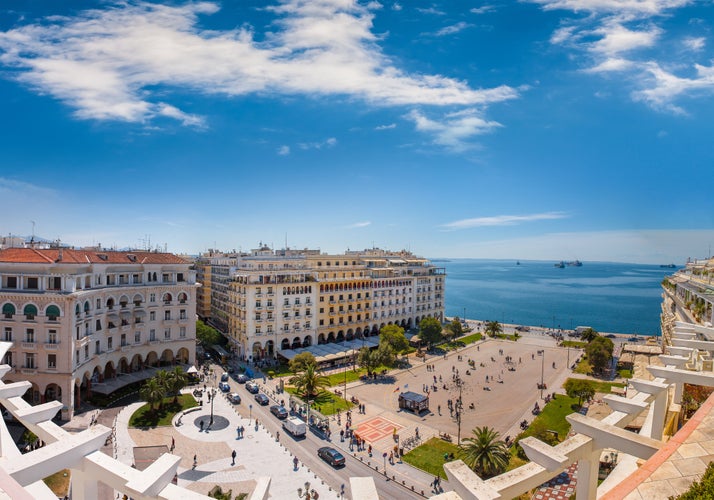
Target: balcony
(28, 370)
(52, 346)
(28, 345)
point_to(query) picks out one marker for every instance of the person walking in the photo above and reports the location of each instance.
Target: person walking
(233, 456)
(195, 462)
(173, 444)
(295, 463)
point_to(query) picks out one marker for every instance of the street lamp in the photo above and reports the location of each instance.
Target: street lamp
(212, 393)
(541, 353)
(459, 408)
(306, 494)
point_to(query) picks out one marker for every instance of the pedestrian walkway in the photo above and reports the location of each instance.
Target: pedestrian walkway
(258, 455)
(561, 487)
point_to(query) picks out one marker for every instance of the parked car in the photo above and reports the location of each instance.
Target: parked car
(331, 456)
(262, 399)
(295, 426)
(242, 378)
(224, 386)
(234, 398)
(252, 387)
(224, 377)
(279, 411)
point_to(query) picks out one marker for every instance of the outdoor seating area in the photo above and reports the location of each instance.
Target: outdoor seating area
(332, 354)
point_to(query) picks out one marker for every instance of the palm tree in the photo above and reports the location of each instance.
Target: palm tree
(152, 392)
(485, 453)
(176, 381)
(309, 381)
(493, 328)
(162, 377)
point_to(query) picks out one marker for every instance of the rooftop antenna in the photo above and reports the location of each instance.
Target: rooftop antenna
(286, 240)
(33, 231)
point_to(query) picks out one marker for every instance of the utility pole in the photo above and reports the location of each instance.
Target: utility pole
(541, 353)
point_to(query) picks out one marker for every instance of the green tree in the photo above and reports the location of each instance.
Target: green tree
(207, 335)
(579, 388)
(371, 359)
(309, 381)
(485, 453)
(430, 331)
(454, 329)
(588, 335)
(599, 353)
(493, 328)
(175, 381)
(152, 392)
(300, 361)
(393, 335)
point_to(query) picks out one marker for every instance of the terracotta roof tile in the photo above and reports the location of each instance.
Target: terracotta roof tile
(71, 256)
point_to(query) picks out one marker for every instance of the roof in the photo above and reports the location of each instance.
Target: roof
(413, 396)
(71, 256)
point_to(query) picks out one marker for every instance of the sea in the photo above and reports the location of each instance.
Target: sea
(607, 296)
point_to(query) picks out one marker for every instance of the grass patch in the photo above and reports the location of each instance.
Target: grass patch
(326, 402)
(606, 387)
(144, 417)
(337, 379)
(584, 367)
(553, 415)
(59, 482)
(470, 339)
(624, 373)
(574, 344)
(429, 457)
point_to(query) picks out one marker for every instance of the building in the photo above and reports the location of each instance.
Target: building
(92, 321)
(267, 301)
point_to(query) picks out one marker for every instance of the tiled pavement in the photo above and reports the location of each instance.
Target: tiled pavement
(561, 487)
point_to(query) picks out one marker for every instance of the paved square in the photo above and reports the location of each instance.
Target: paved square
(376, 428)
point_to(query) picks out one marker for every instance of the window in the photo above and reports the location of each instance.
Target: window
(52, 337)
(99, 304)
(8, 334)
(270, 315)
(182, 332)
(7, 360)
(152, 335)
(258, 304)
(257, 316)
(152, 316)
(322, 322)
(32, 284)
(110, 343)
(167, 314)
(11, 282)
(152, 297)
(286, 302)
(98, 325)
(51, 361)
(165, 278)
(123, 339)
(97, 348)
(30, 312)
(8, 311)
(270, 329)
(322, 299)
(179, 277)
(137, 337)
(54, 283)
(257, 331)
(30, 335)
(30, 360)
(167, 334)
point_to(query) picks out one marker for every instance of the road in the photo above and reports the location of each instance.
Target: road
(306, 450)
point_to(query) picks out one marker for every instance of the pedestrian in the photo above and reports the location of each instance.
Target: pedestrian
(342, 435)
(233, 456)
(391, 458)
(195, 462)
(277, 436)
(173, 444)
(439, 409)
(296, 462)
(201, 425)
(369, 450)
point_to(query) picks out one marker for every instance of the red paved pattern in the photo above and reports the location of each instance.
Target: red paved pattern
(561, 487)
(376, 428)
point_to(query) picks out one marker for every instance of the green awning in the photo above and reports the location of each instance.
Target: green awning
(30, 310)
(53, 311)
(8, 309)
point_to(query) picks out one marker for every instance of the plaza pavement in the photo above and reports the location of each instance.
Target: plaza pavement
(258, 453)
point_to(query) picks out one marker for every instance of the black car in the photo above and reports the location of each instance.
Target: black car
(252, 387)
(224, 377)
(234, 398)
(262, 399)
(279, 411)
(331, 456)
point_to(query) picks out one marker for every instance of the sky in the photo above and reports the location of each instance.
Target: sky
(532, 129)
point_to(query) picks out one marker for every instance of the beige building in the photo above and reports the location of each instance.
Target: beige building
(270, 301)
(93, 321)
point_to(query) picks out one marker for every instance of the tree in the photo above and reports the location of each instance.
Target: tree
(454, 329)
(309, 382)
(393, 335)
(599, 352)
(430, 331)
(152, 392)
(588, 335)
(207, 335)
(176, 381)
(493, 328)
(162, 379)
(579, 388)
(371, 359)
(300, 361)
(485, 453)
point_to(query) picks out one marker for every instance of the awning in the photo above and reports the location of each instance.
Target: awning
(192, 369)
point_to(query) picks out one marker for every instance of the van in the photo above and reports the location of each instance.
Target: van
(296, 427)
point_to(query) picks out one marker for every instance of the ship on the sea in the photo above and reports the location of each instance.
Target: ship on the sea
(575, 263)
(560, 264)
(668, 266)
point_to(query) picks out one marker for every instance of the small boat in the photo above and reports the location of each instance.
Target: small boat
(560, 264)
(668, 266)
(518, 262)
(575, 263)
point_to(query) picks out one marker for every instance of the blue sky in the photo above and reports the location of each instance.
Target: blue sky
(539, 129)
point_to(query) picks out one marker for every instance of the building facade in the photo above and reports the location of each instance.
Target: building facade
(269, 301)
(83, 321)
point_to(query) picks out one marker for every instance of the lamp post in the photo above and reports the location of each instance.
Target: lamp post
(213, 397)
(541, 353)
(306, 494)
(459, 408)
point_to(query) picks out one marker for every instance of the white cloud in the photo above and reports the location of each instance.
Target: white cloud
(112, 64)
(284, 150)
(502, 220)
(396, 6)
(455, 130)
(665, 87)
(695, 44)
(612, 64)
(357, 225)
(327, 143)
(431, 10)
(483, 9)
(616, 38)
(640, 7)
(452, 29)
(386, 127)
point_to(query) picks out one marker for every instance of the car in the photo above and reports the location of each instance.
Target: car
(331, 456)
(224, 377)
(279, 411)
(634, 339)
(224, 386)
(242, 378)
(234, 398)
(262, 399)
(252, 387)
(610, 336)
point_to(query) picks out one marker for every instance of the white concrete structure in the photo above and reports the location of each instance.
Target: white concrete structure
(92, 320)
